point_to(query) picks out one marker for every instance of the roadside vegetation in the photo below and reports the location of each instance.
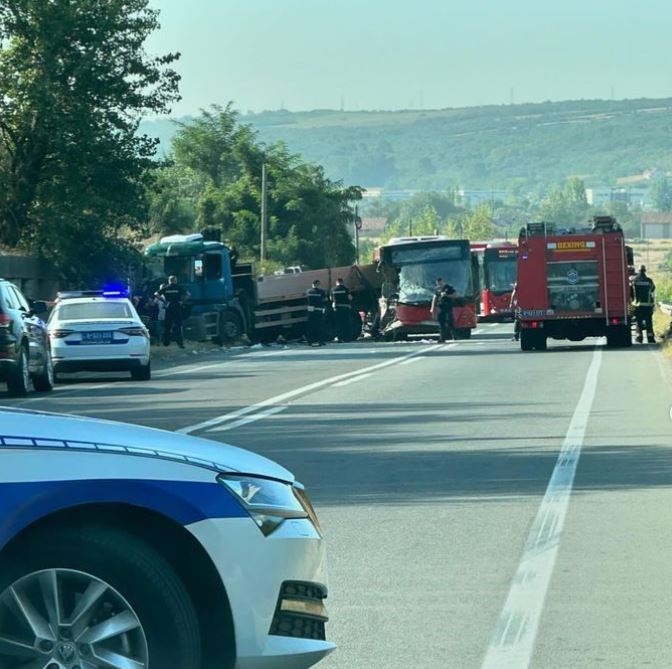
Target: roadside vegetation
(522, 147)
(80, 185)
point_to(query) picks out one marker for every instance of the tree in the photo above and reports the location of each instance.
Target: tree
(310, 216)
(566, 205)
(660, 194)
(73, 170)
(478, 223)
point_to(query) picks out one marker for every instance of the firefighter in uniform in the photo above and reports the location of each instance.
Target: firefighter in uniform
(174, 295)
(317, 302)
(513, 305)
(340, 299)
(442, 309)
(643, 291)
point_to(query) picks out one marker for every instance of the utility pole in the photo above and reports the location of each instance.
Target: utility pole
(264, 211)
(357, 226)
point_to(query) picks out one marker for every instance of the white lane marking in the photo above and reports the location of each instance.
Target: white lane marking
(443, 347)
(512, 643)
(303, 390)
(354, 379)
(477, 331)
(412, 360)
(250, 419)
(491, 325)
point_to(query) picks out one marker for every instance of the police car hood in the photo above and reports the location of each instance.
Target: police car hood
(37, 430)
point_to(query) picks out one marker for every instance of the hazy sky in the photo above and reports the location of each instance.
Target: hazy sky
(392, 54)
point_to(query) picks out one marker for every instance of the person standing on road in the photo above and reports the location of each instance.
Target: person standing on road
(341, 298)
(442, 309)
(317, 303)
(175, 297)
(513, 305)
(643, 292)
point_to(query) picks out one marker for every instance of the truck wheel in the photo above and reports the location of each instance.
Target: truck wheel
(356, 326)
(81, 589)
(18, 381)
(230, 326)
(541, 343)
(526, 340)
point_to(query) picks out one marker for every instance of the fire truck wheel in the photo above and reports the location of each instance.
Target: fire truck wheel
(463, 333)
(541, 343)
(527, 340)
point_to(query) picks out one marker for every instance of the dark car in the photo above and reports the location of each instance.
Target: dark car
(24, 343)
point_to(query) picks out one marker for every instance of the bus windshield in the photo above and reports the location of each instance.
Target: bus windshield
(417, 282)
(501, 275)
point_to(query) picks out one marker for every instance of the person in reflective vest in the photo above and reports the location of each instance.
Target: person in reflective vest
(341, 298)
(317, 304)
(642, 291)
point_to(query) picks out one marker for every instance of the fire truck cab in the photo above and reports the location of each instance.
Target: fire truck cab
(573, 283)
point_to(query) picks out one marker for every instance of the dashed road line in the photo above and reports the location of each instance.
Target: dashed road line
(355, 379)
(271, 411)
(297, 392)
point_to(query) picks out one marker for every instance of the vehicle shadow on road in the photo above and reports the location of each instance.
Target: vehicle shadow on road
(375, 458)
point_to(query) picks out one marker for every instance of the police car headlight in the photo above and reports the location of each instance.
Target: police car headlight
(269, 502)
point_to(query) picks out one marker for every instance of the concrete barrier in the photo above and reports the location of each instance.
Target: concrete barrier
(36, 279)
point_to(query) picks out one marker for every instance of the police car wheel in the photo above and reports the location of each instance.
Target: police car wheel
(142, 373)
(94, 597)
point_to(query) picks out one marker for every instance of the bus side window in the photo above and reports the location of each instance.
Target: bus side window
(213, 267)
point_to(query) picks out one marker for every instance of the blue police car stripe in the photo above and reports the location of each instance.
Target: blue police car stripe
(185, 502)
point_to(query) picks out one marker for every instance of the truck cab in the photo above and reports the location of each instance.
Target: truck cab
(218, 305)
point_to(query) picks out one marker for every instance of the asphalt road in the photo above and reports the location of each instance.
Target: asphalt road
(483, 508)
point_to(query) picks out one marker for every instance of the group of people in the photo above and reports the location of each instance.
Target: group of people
(318, 301)
(165, 309)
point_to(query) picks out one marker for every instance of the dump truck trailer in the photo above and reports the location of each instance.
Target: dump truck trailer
(228, 300)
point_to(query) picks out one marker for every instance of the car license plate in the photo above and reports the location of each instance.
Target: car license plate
(97, 337)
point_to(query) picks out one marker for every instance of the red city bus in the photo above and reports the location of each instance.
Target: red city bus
(497, 266)
(410, 267)
(500, 266)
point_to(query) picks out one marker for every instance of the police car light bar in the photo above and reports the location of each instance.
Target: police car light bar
(73, 294)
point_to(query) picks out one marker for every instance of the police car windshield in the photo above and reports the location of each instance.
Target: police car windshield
(94, 311)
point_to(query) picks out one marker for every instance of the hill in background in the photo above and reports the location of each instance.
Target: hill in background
(525, 146)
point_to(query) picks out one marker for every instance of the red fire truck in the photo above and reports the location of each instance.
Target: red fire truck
(573, 284)
(497, 263)
(410, 267)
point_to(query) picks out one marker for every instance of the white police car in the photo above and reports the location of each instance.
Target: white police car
(98, 331)
(134, 548)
